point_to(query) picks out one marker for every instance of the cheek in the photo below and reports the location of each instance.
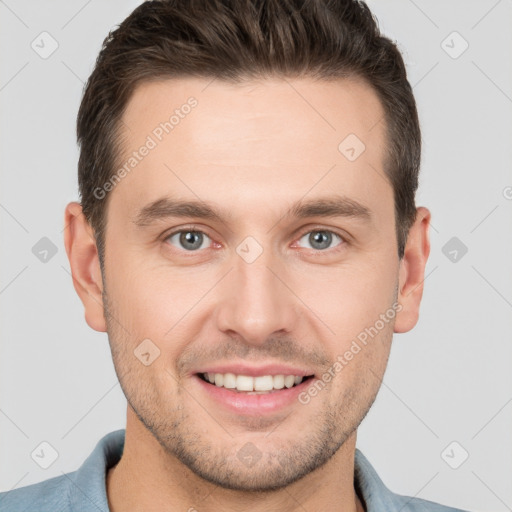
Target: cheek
(349, 298)
(160, 303)
(138, 299)
(359, 367)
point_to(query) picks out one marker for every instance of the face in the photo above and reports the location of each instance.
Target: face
(288, 266)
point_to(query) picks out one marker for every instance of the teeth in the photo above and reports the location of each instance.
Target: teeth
(263, 383)
(243, 383)
(289, 381)
(278, 381)
(230, 380)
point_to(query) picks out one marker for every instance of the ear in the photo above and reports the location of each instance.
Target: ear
(412, 271)
(85, 265)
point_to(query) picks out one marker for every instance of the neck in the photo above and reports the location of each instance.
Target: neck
(149, 478)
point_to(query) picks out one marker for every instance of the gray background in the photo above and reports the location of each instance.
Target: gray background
(448, 380)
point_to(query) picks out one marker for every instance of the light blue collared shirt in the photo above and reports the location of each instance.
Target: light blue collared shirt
(85, 489)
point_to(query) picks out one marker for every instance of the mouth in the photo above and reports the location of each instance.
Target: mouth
(259, 385)
(270, 389)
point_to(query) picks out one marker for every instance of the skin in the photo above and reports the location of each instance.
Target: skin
(252, 150)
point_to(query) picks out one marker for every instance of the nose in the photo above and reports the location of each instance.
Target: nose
(257, 300)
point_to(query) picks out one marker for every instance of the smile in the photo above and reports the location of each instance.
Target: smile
(252, 385)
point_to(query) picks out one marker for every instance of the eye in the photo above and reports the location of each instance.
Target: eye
(189, 239)
(320, 239)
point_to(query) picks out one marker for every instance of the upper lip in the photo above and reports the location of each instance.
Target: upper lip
(255, 371)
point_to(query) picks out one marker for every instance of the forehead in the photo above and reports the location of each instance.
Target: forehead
(265, 140)
(297, 112)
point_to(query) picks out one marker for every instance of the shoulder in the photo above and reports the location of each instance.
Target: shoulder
(376, 496)
(411, 504)
(83, 489)
(51, 495)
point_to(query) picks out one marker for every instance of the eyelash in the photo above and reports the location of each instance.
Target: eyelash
(339, 247)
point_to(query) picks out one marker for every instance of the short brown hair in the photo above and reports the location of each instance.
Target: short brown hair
(242, 39)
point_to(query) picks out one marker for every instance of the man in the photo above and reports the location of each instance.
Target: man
(248, 238)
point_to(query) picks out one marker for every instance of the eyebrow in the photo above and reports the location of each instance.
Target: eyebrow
(331, 206)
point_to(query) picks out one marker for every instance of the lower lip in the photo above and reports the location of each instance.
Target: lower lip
(253, 405)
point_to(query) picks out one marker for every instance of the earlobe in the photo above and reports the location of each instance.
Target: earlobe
(412, 271)
(85, 267)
